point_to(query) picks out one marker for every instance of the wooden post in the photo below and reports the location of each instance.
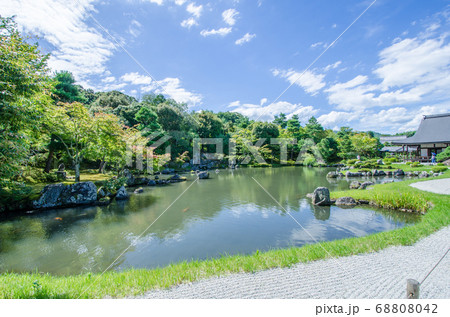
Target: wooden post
(412, 289)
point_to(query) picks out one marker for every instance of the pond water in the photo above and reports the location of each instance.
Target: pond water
(227, 214)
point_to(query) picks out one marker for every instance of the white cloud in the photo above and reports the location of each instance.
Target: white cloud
(196, 11)
(332, 66)
(158, 2)
(411, 71)
(229, 16)
(413, 61)
(263, 101)
(336, 118)
(245, 39)
(172, 87)
(312, 83)
(317, 44)
(135, 28)
(267, 113)
(136, 79)
(220, 32)
(79, 48)
(188, 23)
(180, 2)
(108, 79)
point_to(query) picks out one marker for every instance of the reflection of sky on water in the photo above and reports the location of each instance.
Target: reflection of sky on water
(227, 214)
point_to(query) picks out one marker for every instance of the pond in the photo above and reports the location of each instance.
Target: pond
(227, 214)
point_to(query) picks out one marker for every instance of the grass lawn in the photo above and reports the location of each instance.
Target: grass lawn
(134, 282)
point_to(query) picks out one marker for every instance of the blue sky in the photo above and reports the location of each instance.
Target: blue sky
(387, 70)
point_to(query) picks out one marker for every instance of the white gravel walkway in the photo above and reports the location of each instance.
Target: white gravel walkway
(375, 275)
(438, 186)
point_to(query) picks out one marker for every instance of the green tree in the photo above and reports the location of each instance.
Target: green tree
(170, 117)
(280, 120)
(293, 124)
(108, 142)
(75, 128)
(265, 130)
(147, 120)
(209, 125)
(65, 89)
(328, 148)
(314, 130)
(24, 84)
(364, 145)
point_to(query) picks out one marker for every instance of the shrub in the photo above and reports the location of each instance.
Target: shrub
(444, 155)
(439, 169)
(440, 164)
(391, 160)
(309, 160)
(416, 164)
(408, 163)
(113, 184)
(351, 162)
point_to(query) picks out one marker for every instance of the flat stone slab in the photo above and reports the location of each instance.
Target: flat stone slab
(437, 186)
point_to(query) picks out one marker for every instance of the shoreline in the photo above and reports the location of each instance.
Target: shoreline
(136, 282)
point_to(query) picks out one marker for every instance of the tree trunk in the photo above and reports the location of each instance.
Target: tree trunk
(102, 167)
(49, 162)
(77, 172)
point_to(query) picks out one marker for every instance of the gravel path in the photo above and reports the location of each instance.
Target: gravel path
(375, 275)
(438, 186)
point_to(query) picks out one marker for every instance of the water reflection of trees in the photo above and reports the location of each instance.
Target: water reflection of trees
(84, 239)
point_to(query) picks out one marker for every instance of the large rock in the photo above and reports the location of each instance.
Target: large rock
(168, 171)
(177, 178)
(61, 196)
(333, 175)
(321, 197)
(139, 190)
(203, 175)
(355, 185)
(423, 174)
(399, 172)
(378, 173)
(122, 194)
(346, 201)
(350, 174)
(365, 185)
(129, 176)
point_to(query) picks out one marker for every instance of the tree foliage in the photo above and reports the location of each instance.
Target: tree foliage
(24, 82)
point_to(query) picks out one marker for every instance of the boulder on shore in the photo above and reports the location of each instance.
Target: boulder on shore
(355, 185)
(177, 178)
(203, 175)
(333, 175)
(122, 194)
(399, 172)
(365, 185)
(350, 174)
(60, 195)
(321, 197)
(346, 201)
(139, 190)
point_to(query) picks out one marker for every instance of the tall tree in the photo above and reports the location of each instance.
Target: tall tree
(108, 144)
(24, 83)
(65, 89)
(280, 120)
(72, 124)
(314, 130)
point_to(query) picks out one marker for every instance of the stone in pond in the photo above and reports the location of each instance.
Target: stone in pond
(321, 197)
